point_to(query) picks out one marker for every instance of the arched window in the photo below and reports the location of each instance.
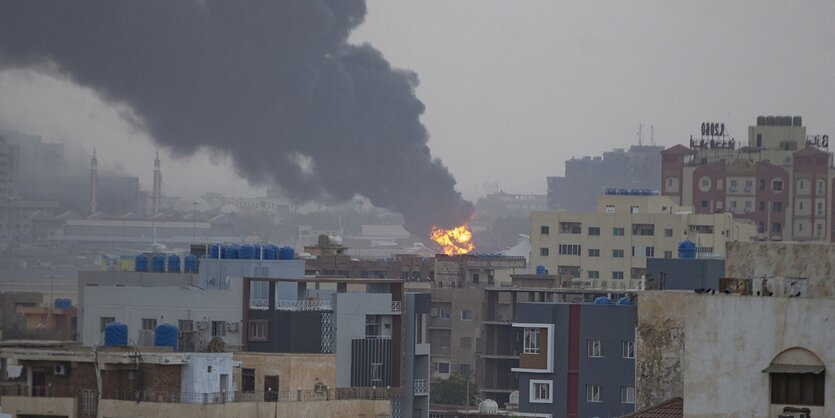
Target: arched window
(797, 377)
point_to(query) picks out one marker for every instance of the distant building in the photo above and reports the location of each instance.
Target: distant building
(576, 360)
(500, 204)
(781, 178)
(586, 178)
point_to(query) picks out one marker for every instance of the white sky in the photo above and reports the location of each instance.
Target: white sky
(512, 89)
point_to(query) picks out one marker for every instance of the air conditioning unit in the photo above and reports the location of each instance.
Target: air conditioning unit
(232, 326)
(60, 370)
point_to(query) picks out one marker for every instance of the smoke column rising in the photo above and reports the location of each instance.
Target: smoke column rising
(274, 84)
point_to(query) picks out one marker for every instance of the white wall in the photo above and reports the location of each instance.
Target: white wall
(196, 378)
(350, 310)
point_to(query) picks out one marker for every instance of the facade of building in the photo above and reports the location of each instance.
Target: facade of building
(576, 360)
(684, 273)
(610, 248)
(586, 178)
(781, 179)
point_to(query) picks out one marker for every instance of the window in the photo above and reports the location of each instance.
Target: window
(476, 278)
(617, 275)
(640, 251)
(541, 391)
(594, 274)
(466, 342)
(760, 206)
(628, 348)
(776, 227)
(704, 184)
(594, 231)
(218, 328)
(594, 252)
(617, 253)
(571, 227)
(704, 204)
(634, 209)
(618, 232)
(749, 184)
(149, 323)
(748, 205)
(466, 315)
(248, 380)
(543, 252)
(443, 313)
(668, 232)
(627, 394)
(800, 184)
(637, 272)
(531, 341)
(821, 186)
(594, 348)
(544, 230)
(443, 367)
(258, 330)
(820, 208)
(593, 393)
(643, 229)
(797, 388)
(732, 186)
(668, 254)
(777, 185)
(569, 249)
(103, 321)
(465, 369)
(185, 325)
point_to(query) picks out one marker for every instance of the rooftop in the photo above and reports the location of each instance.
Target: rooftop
(671, 408)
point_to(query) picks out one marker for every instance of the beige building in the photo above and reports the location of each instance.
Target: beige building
(609, 248)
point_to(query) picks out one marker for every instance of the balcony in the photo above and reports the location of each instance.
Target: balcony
(303, 305)
(259, 304)
(421, 387)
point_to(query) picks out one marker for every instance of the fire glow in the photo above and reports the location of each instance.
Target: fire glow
(455, 241)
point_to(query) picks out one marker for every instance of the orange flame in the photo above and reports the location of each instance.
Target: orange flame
(455, 241)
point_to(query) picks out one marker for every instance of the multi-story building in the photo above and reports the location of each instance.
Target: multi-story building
(781, 179)
(609, 248)
(585, 178)
(576, 359)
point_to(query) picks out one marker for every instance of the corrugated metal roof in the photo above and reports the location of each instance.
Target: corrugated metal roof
(791, 368)
(671, 408)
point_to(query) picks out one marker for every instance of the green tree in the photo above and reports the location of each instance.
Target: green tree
(453, 390)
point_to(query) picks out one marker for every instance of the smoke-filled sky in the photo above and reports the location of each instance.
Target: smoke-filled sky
(511, 89)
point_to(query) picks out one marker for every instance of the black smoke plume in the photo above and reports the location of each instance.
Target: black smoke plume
(274, 84)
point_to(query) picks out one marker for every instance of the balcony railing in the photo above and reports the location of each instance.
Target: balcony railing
(421, 386)
(396, 306)
(303, 305)
(260, 304)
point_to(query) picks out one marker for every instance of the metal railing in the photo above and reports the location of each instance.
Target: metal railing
(34, 391)
(260, 304)
(303, 305)
(421, 386)
(396, 306)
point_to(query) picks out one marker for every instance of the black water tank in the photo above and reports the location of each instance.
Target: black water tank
(797, 121)
(760, 120)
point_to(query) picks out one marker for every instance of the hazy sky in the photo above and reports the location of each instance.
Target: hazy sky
(512, 89)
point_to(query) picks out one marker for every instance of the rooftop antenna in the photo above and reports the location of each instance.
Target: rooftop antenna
(652, 134)
(640, 134)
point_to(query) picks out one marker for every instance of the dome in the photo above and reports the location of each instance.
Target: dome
(187, 205)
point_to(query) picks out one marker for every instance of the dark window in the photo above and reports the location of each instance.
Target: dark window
(668, 232)
(248, 380)
(149, 323)
(762, 184)
(760, 206)
(570, 227)
(465, 369)
(443, 367)
(570, 249)
(106, 320)
(258, 330)
(594, 230)
(704, 203)
(543, 252)
(797, 388)
(476, 278)
(544, 230)
(776, 227)
(759, 140)
(218, 328)
(777, 206)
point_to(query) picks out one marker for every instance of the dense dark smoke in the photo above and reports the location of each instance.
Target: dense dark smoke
(272, 83)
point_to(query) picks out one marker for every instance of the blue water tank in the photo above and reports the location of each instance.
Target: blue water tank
(687, 249)
(214, 251)
(173, 263)
(602, 300)
(286, 253)
(166, 335)
(258, 251)
(158, 263)
(541, 271)
(246, 252)
(270, 252)
(62, 303)
(115, 333)
(141, 263)
(624, 301)
(230, 252)
(191, 263)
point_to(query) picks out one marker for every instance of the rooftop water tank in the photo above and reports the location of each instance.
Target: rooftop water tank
(158, 263)
(760, 120)
(246, 252)
(191, 263)
(214, 251)
(270, 252)
(602, 300)
(286, 253)
(115, 334)
(769, 120)
(230, 252)
(687, 249)
(624, 301)
(141, 263)
(797, 121)
(62, 303)
(541, 271)
(488, 406)
(173, 263)
(166, 335)
(258, 251)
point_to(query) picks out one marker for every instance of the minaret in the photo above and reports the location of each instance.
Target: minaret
(157, 193)
(94, 180)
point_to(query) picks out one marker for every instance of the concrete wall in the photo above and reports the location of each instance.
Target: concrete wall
(813, 261)
(22, 405)
(203, 374)
(659, 347)
(350, 310)
(350, 408)
(294, 370)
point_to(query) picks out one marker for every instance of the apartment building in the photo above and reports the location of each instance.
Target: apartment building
(609, 248)
(576, 359)
(781, 178)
